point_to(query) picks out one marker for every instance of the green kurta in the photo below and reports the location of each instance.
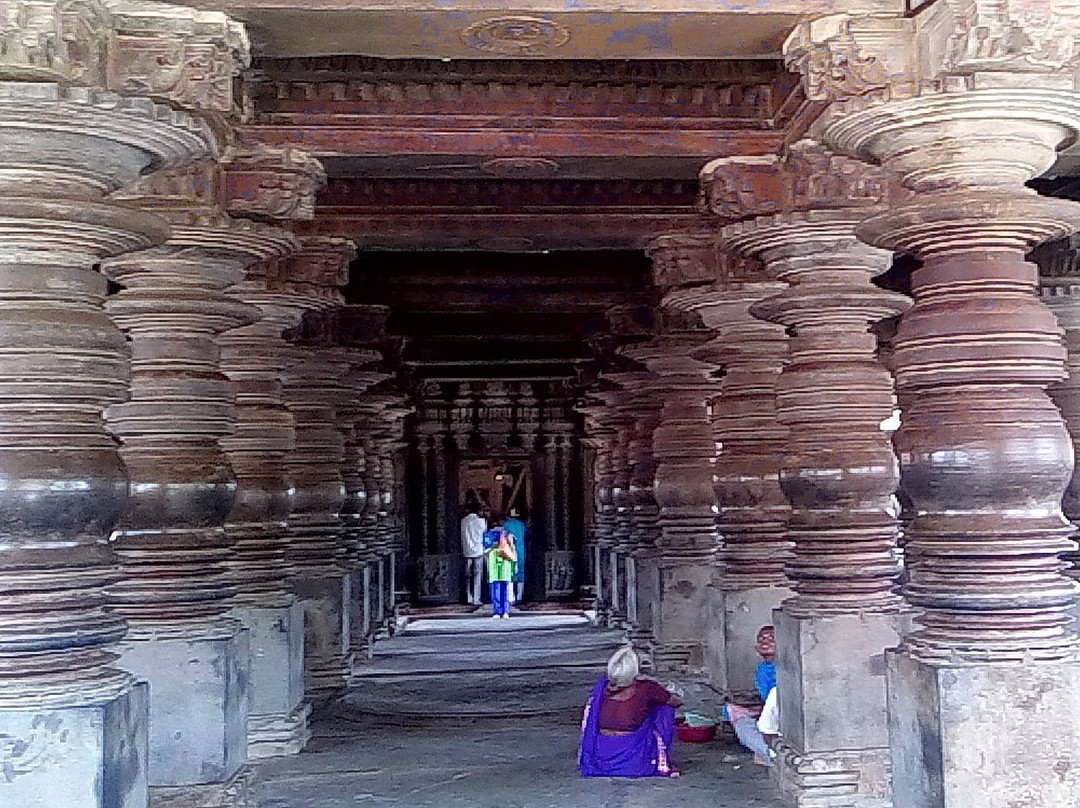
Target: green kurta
(498, 568)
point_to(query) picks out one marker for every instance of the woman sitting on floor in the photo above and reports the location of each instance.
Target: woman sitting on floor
(629, 724)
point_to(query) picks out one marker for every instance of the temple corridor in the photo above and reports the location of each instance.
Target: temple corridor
(738, 340)
(486, 715)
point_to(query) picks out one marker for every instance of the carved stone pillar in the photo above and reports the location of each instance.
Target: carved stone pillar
(600, 431)
(599, 435)
(750, 446)
(686, 549)
(987, 671)
(839, 474)
(1059, 268)
(176, 587)
(641, 411)
(620, 545)
(991, 663)
(254, 357)
(74, 727)
(316, 552)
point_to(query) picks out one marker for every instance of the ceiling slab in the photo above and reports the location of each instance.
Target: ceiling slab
(562, 29)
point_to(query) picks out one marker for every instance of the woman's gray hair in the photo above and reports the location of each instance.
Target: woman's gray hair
(623, 667)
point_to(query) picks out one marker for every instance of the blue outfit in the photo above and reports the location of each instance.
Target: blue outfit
(500, 597)
(516, 528)
(765, 678)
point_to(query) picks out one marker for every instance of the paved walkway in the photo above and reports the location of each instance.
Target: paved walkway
(476, 713)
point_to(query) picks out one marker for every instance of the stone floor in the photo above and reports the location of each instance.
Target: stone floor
(488, 718)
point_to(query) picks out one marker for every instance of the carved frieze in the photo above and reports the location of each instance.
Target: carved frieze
(806, 177)
(683, 259)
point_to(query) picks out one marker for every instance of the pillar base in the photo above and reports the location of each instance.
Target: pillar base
(198, 702)
(277, 734)
(91, 756)
(744, 612)
(325, 600)
(277, 724)
(235, 793)
(836, 779)
(831, 680)
(984, 736)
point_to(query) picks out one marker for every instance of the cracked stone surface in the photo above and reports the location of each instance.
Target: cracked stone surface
(519, 753)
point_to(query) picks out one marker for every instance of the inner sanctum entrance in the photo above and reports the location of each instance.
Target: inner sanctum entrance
(494, 350)
(515, 447)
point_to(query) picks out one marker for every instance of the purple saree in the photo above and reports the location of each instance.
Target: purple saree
(641, 753)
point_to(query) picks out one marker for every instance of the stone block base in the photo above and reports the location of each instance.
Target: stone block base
(198, 702)
(234, 793)
(744, 612)
(831, 683)
(327, 655)
(91, 756)
(278, 719)
(680, 617)
(984, 736)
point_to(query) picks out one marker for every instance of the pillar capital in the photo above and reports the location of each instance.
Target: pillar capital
(864, 57)
(274, 184)
(681, 259)
(184, 56)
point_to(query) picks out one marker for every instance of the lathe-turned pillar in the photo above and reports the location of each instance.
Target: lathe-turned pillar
(750, 445)
(990, 669)
(839, 473)
(74, 727)
(316, 551)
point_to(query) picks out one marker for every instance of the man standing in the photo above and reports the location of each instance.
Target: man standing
(516, 528)
(473, 526)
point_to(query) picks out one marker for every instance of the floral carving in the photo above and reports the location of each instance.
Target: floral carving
(516, 36)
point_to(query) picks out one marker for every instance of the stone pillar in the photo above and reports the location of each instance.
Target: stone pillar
(839, 474)
(74, 727)
(1059, 269)
(686, 550)
(619, 549)
(364, 620)
(254, 357)
(602, 434)
(990, 671)
(750, 445)
(316, 551)
(176, 587)
(641, 410)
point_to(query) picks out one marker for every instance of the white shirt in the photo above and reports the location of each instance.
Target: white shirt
(768, 722)
(472, 535)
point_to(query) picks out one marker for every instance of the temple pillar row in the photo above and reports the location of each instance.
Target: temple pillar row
(75, 133)
(750, 442)
(316, 550)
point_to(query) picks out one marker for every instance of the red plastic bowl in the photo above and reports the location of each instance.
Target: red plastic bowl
(689, 734)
